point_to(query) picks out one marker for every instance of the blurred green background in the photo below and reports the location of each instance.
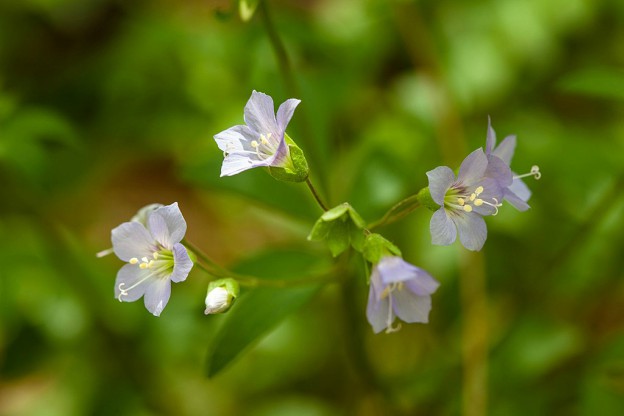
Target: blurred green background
(109, 105)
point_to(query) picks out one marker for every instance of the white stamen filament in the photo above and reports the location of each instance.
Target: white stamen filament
(104, 253)
(388, 292)
(535, 172)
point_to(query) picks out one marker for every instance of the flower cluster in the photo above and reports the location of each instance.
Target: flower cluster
(151, 242)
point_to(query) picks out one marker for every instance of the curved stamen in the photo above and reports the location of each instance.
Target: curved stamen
(495, 205)
(535, 172)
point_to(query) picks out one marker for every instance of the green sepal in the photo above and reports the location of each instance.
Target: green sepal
(247, 8)
(424, 197)
(340, 227)
(376, 247)
(192, 255)
(228, 284)
(296, 169)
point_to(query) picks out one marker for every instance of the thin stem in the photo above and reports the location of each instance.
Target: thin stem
(316, 195)
(473, 295)
(215, 271)
(398, 211)
(204, 257)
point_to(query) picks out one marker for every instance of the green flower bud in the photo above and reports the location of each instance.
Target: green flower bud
(340, 227)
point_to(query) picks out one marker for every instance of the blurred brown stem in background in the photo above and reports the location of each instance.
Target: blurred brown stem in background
(453, 148)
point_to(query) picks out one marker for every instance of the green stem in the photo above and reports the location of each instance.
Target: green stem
(398, 211)
(215, 271)
(316, 195)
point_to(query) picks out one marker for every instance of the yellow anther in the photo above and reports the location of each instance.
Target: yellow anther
(254, 144)
(467, 208)
(151, 263)
(473, 196)
(386, 292)
(461, 201)
(478, 202)
(133, 260)
(155, 255)
(263, 139)
(143, 265)
(479, 190)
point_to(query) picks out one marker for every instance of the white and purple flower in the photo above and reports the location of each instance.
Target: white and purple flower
(517, 194)
(398, 289)
(261, 142)
(155, 257)
(477, 191)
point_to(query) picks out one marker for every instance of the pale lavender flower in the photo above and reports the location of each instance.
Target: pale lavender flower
(261, 141)
(466, 199)
(398, 289)
(155, 257)
(517, 194)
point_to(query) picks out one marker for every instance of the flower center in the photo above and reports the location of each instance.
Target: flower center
(264, 147)
(161, 263)
(459, 200)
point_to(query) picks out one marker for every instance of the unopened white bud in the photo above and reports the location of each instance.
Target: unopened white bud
(218, 300)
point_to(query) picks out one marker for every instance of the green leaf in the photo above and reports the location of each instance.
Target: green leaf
(596, 82)
(339, 227)
(338, 238)
(254, 314)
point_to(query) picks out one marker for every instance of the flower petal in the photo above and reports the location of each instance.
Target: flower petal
(490, 140)
(159, 230)
(423, 284)
(498, 170)
(472, 230)
(506, 149)
(128, 276)
(515, 201)
(520, 189)
(440, 180)
(377, 310)
(174, 223)
(442, 229)
(157, 295)
(131, 239)
(182, 263)
(411, 308)
(260, 114)
(236, 163)
(285, 113)
(473, 167)
(237, 138)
